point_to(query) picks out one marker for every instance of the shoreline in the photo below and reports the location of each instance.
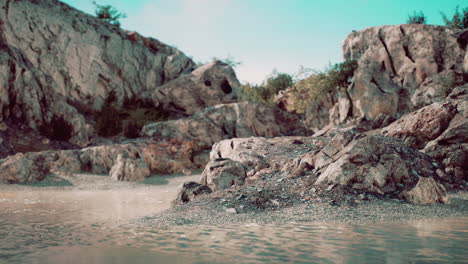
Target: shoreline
(212, 210)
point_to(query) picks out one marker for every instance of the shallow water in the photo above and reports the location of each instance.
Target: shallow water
(96, 226)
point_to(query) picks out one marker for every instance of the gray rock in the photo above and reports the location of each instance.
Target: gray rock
(223, 173)
(126, 169)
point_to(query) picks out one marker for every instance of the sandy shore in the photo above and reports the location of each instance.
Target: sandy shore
(212, 211)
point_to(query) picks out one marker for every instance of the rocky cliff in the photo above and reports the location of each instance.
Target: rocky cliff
(400, 69)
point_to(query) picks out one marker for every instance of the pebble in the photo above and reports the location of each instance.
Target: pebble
(231, 211)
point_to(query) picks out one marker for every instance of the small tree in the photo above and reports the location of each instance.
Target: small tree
(458, 21)
(229, 60)
(108, 13)
(417, 18)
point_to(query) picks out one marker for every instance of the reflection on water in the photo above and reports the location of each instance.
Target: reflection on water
(94, 227)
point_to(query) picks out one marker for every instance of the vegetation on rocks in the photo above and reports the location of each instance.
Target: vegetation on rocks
(417, 18)
(265, 92)
(319, 83)
(459, 19)
(108, 13)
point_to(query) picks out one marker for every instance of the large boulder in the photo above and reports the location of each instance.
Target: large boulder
(208, 85)
(126, 169)
(189, 191)
(426, 191)
(394, 62)
(223, 173)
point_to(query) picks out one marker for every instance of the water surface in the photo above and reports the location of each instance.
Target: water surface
(41, 225)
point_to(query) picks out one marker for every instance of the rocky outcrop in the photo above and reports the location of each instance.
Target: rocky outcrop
(441, 131)
(395, 61)
(400, 69)
(223, 173)
(126, 169)
(208, 85)
(87, 57)
(61, 66)
(340, 162)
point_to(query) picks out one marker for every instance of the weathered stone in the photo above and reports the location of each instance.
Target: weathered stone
(189, 191)
(424, 124)
(208, 85)
(426, 191)
(126, 169)
(223, 173)
(393, 63)
(375, 164)
(22, 169)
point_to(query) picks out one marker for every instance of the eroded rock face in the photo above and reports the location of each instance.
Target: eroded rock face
(223, 173)
(394, 61)
(208, 85)
(88, 57)
(126, 169)
(29, 98)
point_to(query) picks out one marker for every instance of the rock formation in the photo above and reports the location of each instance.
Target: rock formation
(400, 69)
(126, 169)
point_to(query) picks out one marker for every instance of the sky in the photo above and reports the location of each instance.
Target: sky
(265, 35)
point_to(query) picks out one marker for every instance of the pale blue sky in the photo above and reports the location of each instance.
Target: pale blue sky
(265, 34)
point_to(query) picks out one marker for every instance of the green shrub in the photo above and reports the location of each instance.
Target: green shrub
(57, 129)
(417, 18)
(108, 13)
(319, 83)
(265, 92)
(458, 20)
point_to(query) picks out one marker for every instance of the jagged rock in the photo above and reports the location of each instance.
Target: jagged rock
(394, 61)
(87, 57)
(371, 163)
(189, 191)
(400, 69)
(126, 169)
(426, 191)
(208, 85)
(441, 130)
(223, 173)
(424, 125)
(22, 169)
(363, 163)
